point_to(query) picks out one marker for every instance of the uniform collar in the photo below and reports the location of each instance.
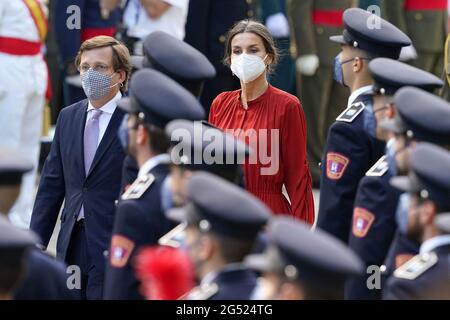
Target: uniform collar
(153, 162)
(212, 276)
(355, 94)
(110, 106)
(435, 242)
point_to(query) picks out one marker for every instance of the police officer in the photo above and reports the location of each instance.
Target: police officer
(139, 219)
(300, 264)
(426, 23)
(220, 223)
(176, 59)
(428, 184)
(373, 223)
(313, 22)
(352, 147)
(42, 278)
(207, 23)
(420, 116)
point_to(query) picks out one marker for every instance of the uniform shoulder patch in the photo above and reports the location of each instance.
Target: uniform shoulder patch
(350, 114)
(202, 292)
(379, 168)
(336, 165)
(139, 186)
(121, 248)
(416, 266)
(362, 221)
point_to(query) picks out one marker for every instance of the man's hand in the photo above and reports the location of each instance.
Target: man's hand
(155, 8)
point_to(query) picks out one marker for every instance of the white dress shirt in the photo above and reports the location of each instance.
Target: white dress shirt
(140, 24)
(108, 110)
(358, 92)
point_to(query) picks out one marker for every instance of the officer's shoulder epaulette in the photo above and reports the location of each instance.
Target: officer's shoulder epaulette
(202, 292)
(379, 168)
(350, 114)
(139, 186)
(416, 266)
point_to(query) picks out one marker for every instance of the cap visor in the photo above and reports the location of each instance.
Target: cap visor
(127, 105)
(404, 183)
(442, 221)
(137, 61)
(338, 39)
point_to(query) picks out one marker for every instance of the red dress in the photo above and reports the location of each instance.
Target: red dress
(277, 122)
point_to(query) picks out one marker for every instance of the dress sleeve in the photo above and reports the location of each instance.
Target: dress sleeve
(297, 178)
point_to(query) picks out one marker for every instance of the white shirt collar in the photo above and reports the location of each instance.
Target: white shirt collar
(110, 106)
(435, 242)
(153, 162)
(355, 94)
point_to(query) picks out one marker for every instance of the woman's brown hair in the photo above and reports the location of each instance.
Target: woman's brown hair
(120, 55)
(260, 30)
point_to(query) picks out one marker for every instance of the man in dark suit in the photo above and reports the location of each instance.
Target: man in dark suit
(84, 165)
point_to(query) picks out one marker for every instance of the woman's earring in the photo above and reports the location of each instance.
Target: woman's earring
(121, 84)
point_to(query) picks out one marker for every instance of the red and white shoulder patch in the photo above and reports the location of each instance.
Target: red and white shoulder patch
(121, 248)
(336, 165)
(362, 221)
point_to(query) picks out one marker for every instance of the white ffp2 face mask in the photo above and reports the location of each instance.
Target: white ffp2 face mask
(247, 67)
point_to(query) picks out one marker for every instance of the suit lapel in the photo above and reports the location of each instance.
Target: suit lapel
(80, 121)
(108, 138)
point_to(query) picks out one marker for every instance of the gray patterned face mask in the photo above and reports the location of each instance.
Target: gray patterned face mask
(96, 85)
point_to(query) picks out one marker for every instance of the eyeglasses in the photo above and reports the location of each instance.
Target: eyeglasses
(380, 109)
(102, 68)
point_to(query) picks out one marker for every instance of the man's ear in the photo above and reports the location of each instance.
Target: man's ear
(428, 212)
(122, 76)
(207, 247)
(142, 136)
(358, 64)
(391, 112)
(289, 291)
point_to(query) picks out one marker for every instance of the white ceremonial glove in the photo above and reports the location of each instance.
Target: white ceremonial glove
(278, 25)
(307, 65)
(408, 53)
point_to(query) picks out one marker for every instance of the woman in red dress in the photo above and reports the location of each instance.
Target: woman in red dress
(270, 120)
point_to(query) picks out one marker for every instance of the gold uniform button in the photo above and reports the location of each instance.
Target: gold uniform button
(250, 13)
(222, 39)
(418, 16)
(320, 30)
